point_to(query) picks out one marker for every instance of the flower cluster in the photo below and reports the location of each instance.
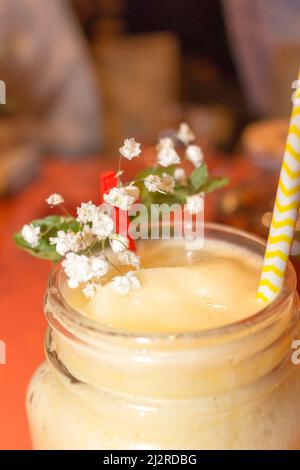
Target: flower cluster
(166, 153)
(195, 204)
(31, 234)
(167, 157)
(123, 197)
(81, 268)
(96, 227)
(130, 149)
(162, 184)
(55, 200)
(89, 245)
(86, 261)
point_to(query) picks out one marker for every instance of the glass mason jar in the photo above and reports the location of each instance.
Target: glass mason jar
(233, 387)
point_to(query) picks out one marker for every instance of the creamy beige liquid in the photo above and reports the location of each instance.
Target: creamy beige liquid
(172, 394)
(193, 291)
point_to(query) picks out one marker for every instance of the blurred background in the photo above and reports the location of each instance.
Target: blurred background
(81, 75)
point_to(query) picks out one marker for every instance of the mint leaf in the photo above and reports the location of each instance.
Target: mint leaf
(198, 181)
(50, 220)
(44, 250)
(199, 177)
(49, 227)
(180, 195)
(213, 183)
(155, 171)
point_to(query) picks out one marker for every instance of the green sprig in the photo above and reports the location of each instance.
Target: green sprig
(198, 181)
(49, 227)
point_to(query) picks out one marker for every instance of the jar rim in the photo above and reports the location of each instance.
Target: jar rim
(73, 317)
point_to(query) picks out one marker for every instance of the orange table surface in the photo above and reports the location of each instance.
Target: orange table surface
(23, 282)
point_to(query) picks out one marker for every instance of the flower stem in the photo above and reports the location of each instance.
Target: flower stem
(65, 211)
(47, 231)
(119, 170)
(86, 245)
(113, 265)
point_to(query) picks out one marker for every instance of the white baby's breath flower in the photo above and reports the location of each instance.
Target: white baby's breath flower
(194, 154)
(128, 257)
(132, 191)
(73, 283)
(152, 183)
(165, 142)
(91, 289)
(31, 234)
(130, 149)
(180, 176)
(118, 243)
(166, 153)
(118, 198)
(195, 204)
(168, 156)
(167, 183)
(123, 197)
(124, 284)
(64, 241)
(83, 239)
(77, 269)
(70, 241)
(81, 268)
(55, 200)
(86, 237)
(99, 266)
(164, 184)
(185, 134)
(86, 212)
(102, 225)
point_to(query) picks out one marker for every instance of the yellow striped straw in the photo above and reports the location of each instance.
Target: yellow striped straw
(285, 211)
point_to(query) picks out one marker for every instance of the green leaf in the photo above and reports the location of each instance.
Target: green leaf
(50, 220)
(142, 174)
(198, 181)
(49, 226)
(213, 183)
(155, 171)
(44, 250)
(181, 194)
(199, 177)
